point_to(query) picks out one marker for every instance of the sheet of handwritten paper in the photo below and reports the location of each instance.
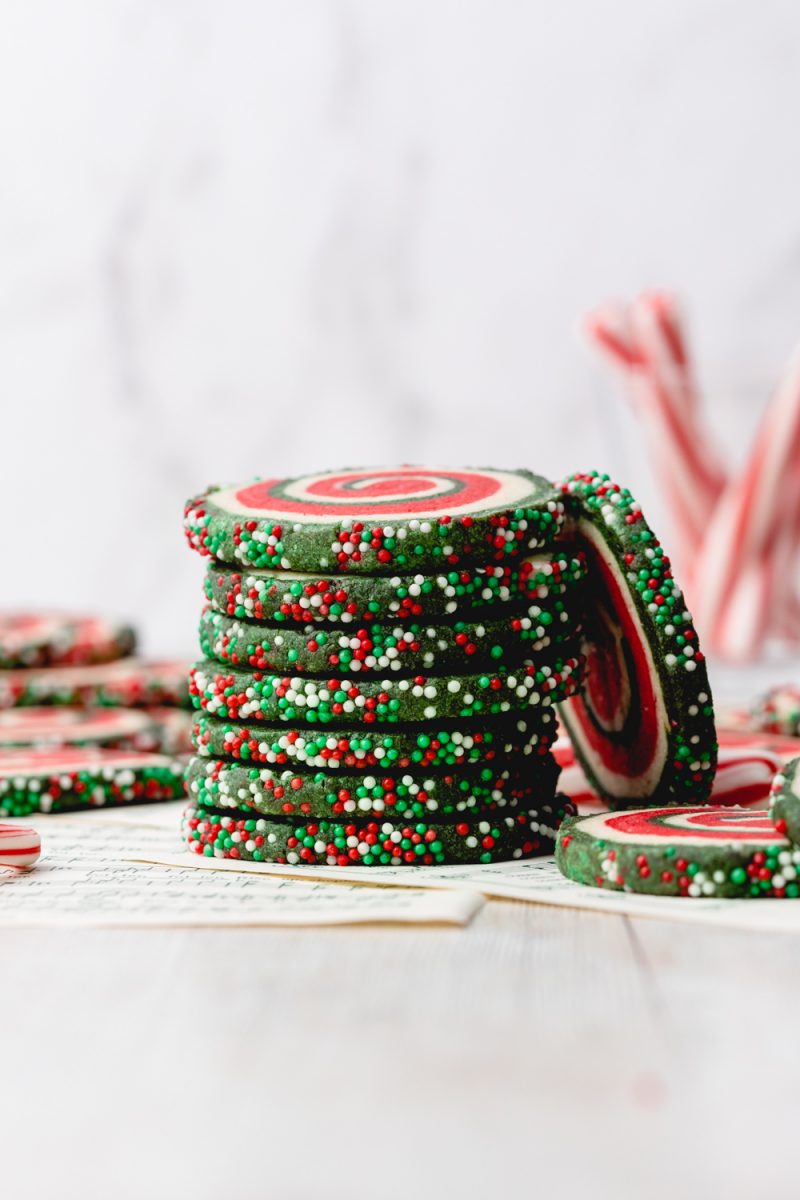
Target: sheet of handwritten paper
(86, 877)
(537, 881)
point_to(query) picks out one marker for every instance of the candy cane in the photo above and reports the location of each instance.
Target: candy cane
(744, 774)
(646, 343)
(736, 598)
(19, 846)
(738, 540)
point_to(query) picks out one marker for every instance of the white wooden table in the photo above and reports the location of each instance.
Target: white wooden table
(537, 1048)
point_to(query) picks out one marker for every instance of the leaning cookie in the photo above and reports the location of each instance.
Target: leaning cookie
(380, 842)
(376, 520)
(288, 597)
(259, 696)
(215, 783)
(62, 780)
(434, 748)
(694, 852)
(643, 724)
(458, 646)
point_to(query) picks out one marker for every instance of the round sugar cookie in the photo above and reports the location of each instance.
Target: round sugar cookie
(117, 728)
(289, 597)
(72, 778)
(784, 801)
(56, 640)
(19, 846)
(259, 696)
(249, 838)
(458, 646)
(435, 748)
(777, 711)
(215, 783)
(643, 724)
(724, 852)
(128, 683)
(376, 520)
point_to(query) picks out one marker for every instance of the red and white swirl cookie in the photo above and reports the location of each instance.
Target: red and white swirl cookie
(377, 519)
(55, 640)
(695, 852)
(643, 725)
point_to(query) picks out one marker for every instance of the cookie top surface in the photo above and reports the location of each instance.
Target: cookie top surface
(703, 825)
(376, 519)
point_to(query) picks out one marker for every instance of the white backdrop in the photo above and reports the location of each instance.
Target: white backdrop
(272, 236)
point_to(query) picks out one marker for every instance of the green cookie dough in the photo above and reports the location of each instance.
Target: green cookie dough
(254, 695)
(287, 597)
(215, 783)
(729, 853)
(380, 842)
(460, 645)
(437, 747)
(376, 520)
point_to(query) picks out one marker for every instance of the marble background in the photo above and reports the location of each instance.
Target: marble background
(265, 236)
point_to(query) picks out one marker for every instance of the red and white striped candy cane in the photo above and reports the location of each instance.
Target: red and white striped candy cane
(744, 775)
(746, 561)
(646, 342)
(19, 846)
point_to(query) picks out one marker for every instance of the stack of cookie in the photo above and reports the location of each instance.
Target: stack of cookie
(383, 653)
(77, 724)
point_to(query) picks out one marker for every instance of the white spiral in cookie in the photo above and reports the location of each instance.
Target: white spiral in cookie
(394, 493)
(682, 826)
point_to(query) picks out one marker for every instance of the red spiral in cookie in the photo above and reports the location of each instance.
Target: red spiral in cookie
(394, 492)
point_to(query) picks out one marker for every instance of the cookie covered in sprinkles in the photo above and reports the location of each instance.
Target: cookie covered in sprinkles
(261, 696)
(376, 520)
(71, 778)
(692, 852)
(54, 640)
(458, 646)
(128, 683)
(380, 842)
(433, 746)
(286, 597)
(214, 783)
(784, 801)
(117, 728)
